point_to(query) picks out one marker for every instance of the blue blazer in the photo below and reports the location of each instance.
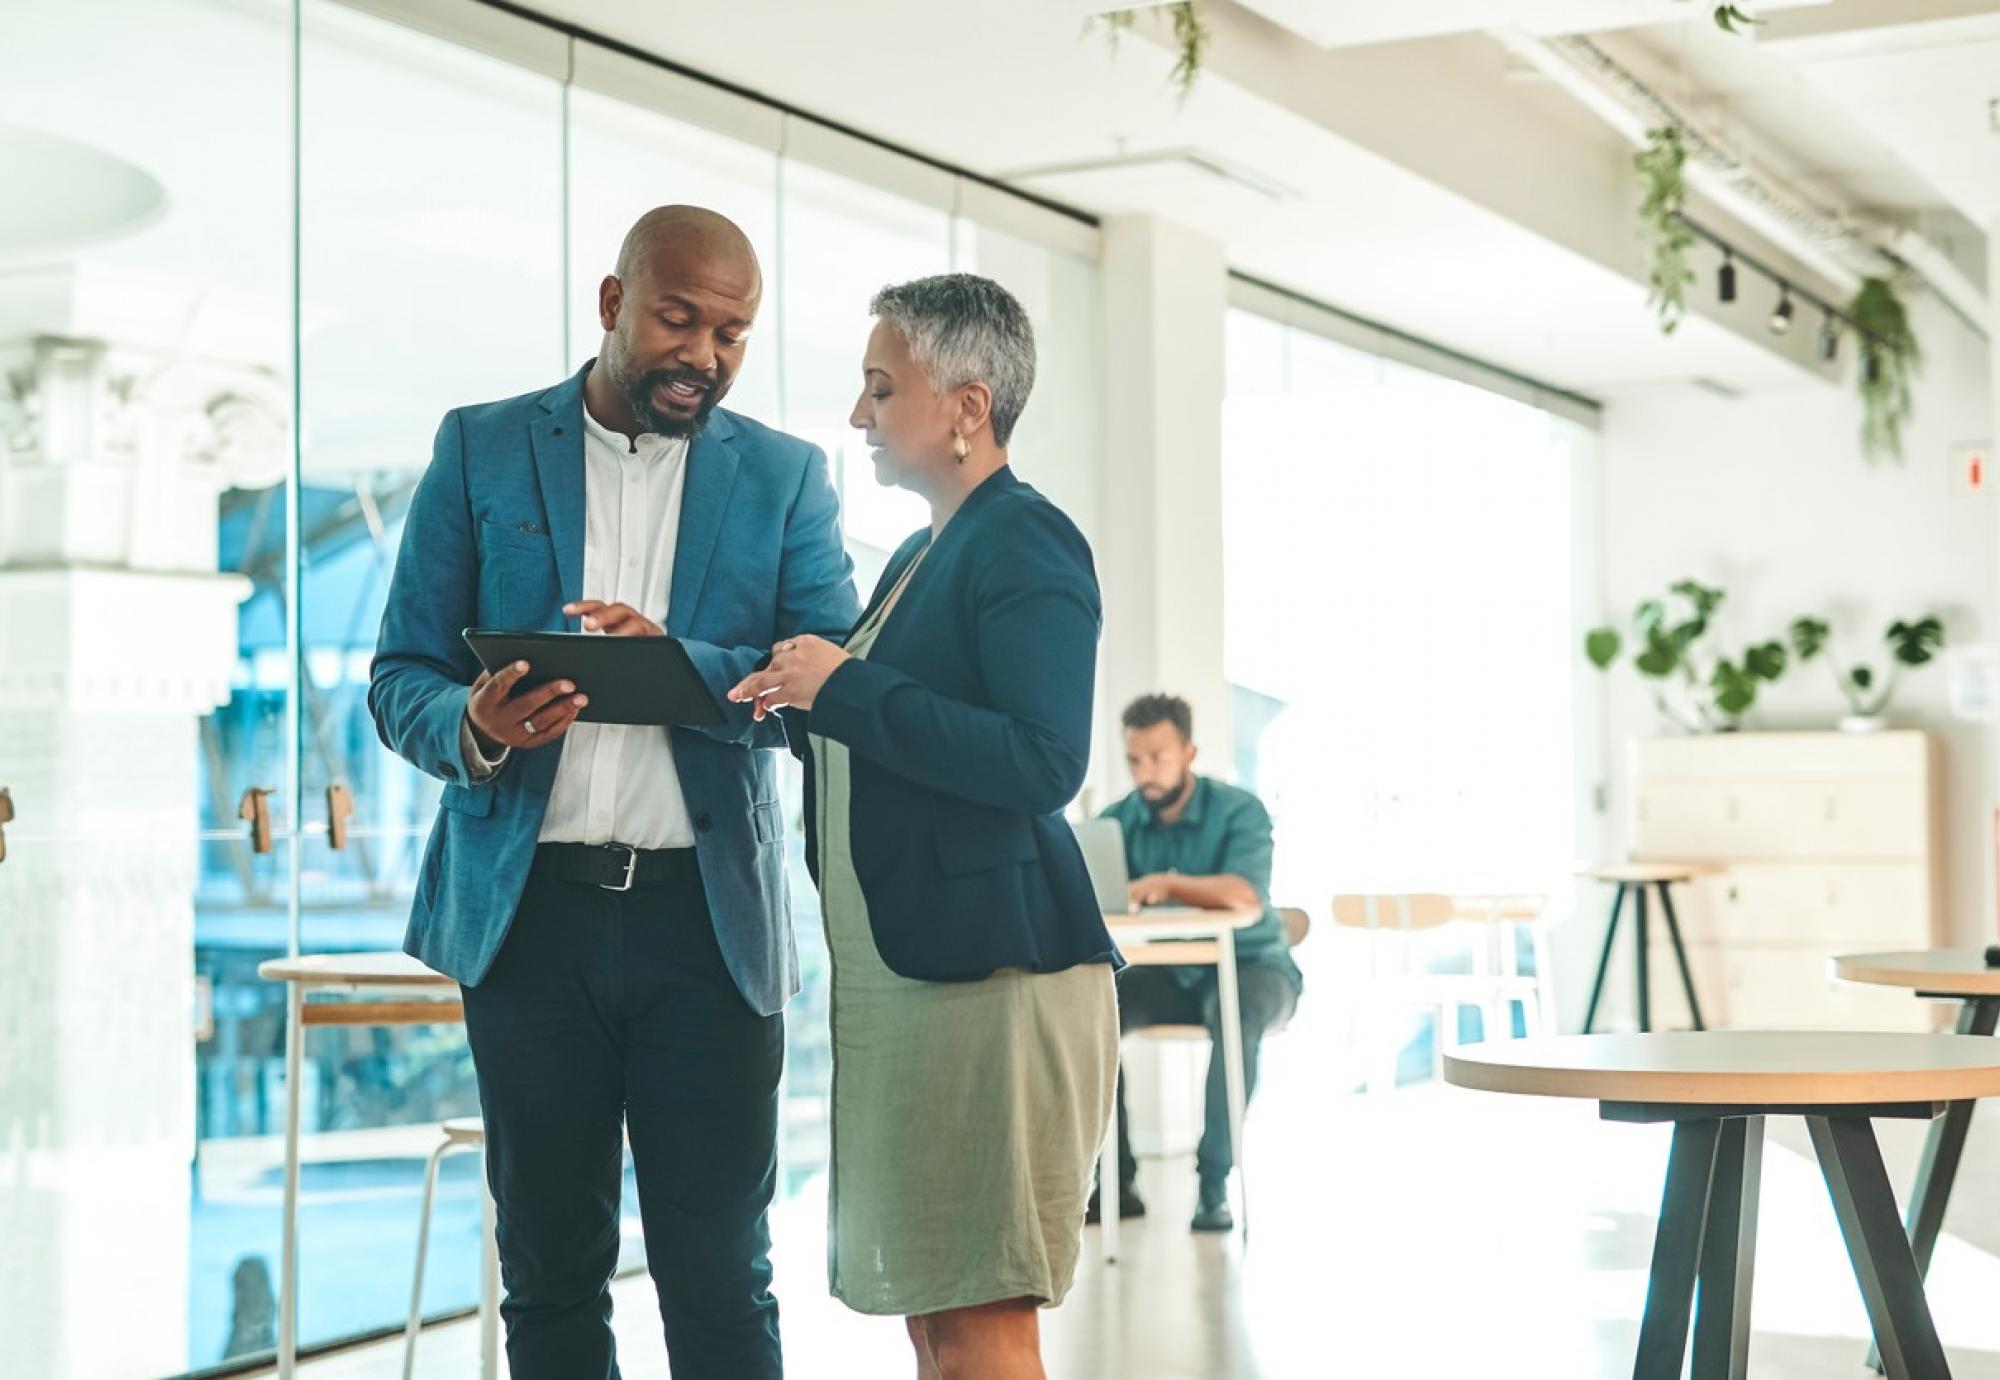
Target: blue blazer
(968, 727)
(494, 539)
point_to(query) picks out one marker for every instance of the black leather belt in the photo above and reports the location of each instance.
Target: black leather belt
(614, 866)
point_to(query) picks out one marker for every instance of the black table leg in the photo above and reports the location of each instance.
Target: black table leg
(1677, 1251)
(1878, 1247)
(1645, 969)
(1943, 1148)
(1603, 959)
(1729, 1253)
(1680, 953)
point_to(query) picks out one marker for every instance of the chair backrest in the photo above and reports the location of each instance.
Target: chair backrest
(1411, 911)
(1297, 925)
(1504, 910)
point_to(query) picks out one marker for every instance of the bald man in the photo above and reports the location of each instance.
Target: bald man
(611, 897)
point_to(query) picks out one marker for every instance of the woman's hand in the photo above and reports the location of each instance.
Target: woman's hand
(798, 671)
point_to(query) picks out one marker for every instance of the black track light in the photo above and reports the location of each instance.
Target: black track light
(1829, 339)
(1781, 315)
(1725, 279)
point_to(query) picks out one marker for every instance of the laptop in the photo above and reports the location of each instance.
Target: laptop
(1103, 844)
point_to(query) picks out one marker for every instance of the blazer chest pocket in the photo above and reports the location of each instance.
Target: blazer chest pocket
(968, 845)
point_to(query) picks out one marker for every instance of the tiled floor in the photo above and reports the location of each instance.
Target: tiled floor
(1433, 1233)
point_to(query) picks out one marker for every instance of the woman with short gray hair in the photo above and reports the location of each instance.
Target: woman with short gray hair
(975, 1027)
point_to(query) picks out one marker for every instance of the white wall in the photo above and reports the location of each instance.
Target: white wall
(1769, 497)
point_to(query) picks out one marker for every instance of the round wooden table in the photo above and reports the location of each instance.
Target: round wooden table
(1638, 879)
(1716, 1088)
(1963, 975)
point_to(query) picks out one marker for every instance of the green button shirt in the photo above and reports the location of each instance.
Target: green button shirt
(1225, 830)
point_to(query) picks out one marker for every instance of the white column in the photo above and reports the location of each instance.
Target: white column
(116, 636)
(1165, 289)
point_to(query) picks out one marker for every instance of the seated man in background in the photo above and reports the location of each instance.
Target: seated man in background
(1192, 841)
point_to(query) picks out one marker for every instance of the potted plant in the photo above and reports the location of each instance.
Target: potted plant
(1864, 686)
(1694, 688)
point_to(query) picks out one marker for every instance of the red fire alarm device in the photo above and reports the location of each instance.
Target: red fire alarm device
(1972, 463)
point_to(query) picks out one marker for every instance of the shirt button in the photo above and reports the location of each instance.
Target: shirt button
(704, 822)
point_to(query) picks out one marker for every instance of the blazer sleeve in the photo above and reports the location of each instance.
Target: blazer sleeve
(1035, 617)
(422, 673)
(815, 595)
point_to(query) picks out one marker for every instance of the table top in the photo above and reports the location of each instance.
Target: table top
(1180, 922)
(1947, 972)
(1736, 1068)
(1650, 871)
(363, 969)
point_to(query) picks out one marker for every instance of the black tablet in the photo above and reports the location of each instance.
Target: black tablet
(630, 680)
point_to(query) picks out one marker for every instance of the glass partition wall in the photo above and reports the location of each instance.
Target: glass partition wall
(272, 242)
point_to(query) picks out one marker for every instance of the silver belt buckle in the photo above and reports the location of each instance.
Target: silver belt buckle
(631, 866)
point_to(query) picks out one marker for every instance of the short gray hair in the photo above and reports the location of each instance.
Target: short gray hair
(962, 329)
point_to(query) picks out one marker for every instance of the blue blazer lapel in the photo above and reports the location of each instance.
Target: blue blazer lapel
(711, 473)
(557, 437)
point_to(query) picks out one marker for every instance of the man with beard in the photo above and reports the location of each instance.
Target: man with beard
(612, 898)
(1191, 841)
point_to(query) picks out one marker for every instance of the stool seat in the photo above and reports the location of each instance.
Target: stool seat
(465, 1130)
(1649, 871)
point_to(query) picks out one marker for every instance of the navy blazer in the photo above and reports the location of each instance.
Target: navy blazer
(968, 728)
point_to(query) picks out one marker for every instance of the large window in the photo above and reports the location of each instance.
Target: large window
(214, 405)
(1399, 556)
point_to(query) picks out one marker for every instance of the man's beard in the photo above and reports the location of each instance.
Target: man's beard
(1171, 798)
(639, 393)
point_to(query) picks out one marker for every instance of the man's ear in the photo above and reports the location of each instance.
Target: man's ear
(610, 296)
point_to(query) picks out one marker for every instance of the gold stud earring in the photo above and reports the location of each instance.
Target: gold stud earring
(959, 448)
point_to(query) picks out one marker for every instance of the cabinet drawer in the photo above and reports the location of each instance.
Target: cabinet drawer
(1753, 820)
(1724, 757)
(1781, 989)
(1834, 907)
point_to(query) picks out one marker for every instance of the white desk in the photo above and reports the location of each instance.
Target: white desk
(401, 991)
(1177, 936)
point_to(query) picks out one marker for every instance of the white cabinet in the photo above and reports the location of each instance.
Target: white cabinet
(1831, 845)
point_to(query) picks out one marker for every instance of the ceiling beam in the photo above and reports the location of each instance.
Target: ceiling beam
(1457, 113)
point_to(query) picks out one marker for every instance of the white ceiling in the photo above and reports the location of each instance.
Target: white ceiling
(1931, 93)
(1013, 91)
(1345, 23)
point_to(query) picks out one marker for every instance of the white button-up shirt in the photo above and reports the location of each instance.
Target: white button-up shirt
(616, 783)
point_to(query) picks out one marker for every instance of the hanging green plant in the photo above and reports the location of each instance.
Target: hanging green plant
(1662, 166)
(1890, 359)
(1728, 17)
(1190, 37)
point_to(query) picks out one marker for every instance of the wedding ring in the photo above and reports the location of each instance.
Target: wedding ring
(529, 726)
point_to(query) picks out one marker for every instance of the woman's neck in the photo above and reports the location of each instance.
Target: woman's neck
(958, 484)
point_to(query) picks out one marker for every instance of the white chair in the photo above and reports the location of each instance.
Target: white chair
(460, 1133)
(1397, 984)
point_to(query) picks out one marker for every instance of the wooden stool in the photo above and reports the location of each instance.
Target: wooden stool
(1637, 878)
(1716, 1089)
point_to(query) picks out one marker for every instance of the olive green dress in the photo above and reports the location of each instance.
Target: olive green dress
(966, 1115)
